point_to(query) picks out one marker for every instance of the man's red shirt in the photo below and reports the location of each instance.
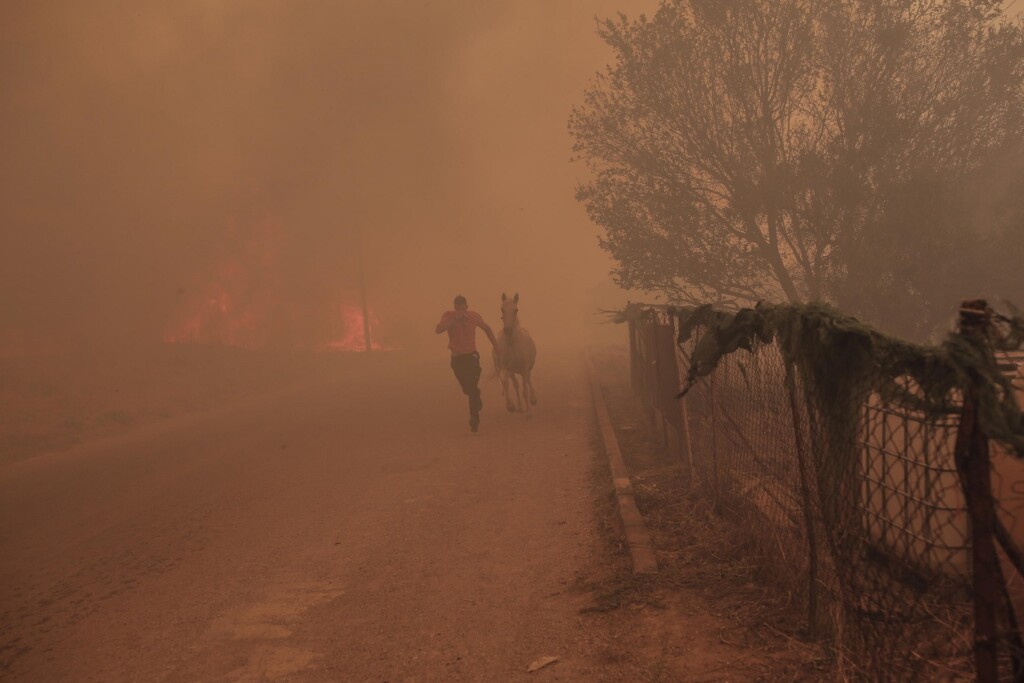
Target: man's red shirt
(462, 334)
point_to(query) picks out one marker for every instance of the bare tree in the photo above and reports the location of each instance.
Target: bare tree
(761, 149)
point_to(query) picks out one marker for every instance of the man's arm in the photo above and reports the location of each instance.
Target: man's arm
(487, 330)
(447, 320)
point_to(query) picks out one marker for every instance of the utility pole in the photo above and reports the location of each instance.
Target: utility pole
(362, 289)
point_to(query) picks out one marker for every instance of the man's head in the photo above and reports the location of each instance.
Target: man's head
(460, 303)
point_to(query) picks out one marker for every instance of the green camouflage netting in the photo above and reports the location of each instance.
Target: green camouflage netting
(845, 359)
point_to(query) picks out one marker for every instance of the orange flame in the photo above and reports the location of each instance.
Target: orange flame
(239, 303)
(232, 306)
(352, 338)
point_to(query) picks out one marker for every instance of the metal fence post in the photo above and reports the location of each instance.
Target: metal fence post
(634, 362)
(684, 436)
(685, 443)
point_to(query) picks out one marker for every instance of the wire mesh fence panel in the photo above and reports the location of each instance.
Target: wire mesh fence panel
(847, 483)
(744, 456)
(897, 529)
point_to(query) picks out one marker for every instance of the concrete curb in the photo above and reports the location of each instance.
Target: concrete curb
(638, 538)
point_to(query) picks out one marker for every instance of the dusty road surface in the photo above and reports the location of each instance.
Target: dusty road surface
(350, 530)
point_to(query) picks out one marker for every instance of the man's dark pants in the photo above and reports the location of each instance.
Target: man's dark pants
(467, 370)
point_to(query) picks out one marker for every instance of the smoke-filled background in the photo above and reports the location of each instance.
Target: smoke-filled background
(202, 171)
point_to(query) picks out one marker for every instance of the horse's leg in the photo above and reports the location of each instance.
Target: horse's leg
(525, 403)
(505, 377)
(528, 382)
(519, 399)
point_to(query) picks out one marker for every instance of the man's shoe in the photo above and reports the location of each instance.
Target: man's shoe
(474, 425)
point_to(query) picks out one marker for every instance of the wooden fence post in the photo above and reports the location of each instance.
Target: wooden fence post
(803, 466)
(713, 405)
(972, 460)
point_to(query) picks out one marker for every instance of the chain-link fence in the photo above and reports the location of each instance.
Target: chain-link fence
(860, 467)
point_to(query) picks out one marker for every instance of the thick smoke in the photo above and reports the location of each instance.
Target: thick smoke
(162, 159)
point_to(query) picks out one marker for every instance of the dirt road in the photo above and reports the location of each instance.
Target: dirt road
(353, 530)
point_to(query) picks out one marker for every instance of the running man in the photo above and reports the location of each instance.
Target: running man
(461, 325)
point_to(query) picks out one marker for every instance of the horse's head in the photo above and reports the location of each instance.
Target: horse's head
(509, 312)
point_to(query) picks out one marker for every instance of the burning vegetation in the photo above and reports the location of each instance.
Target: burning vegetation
(240, 301)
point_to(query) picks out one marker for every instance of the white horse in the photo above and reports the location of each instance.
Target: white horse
(514, 356)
